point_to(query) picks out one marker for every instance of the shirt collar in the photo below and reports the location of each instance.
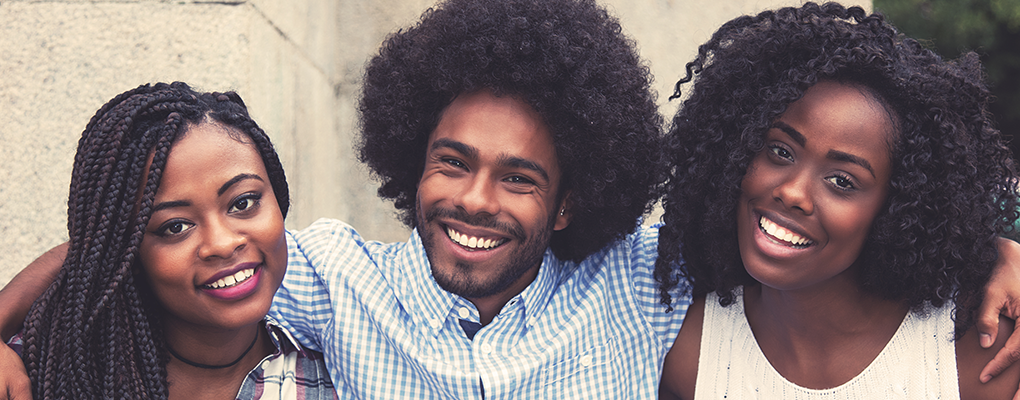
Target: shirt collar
(428, 303)
(281, 338)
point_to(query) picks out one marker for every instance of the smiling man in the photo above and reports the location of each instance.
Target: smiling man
(489, 199)
(520, 140)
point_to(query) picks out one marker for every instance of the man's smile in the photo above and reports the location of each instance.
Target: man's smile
(474, 242)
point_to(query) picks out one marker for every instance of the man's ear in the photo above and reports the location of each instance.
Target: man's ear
(563, 215)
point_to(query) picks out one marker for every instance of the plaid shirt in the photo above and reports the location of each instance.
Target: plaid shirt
(290, 373)
(585, 330)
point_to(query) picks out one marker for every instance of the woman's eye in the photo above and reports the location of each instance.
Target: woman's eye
(841, 182)
(781, 152)
(174, 228)
(244, 203)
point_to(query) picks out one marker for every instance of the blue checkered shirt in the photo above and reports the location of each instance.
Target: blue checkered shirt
(588, 330)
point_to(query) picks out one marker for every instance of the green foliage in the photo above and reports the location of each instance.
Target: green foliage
(989, 27)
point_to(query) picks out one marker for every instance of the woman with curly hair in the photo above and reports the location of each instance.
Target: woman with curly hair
(175, 219)
(837, 192)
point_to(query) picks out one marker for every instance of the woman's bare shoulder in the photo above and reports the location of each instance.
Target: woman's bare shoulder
(971, 358)
(680, 370)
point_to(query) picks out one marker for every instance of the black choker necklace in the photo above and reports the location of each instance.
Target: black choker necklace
(207, 366)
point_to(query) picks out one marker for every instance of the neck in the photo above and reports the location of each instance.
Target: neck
(821, 337)
(216, 351)
(820, 312)
(490, 306)
(197, 364)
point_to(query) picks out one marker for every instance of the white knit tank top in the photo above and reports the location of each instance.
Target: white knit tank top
(919, 362)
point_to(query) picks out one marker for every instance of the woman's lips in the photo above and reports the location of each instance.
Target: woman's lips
(778, 233)
(230, 288)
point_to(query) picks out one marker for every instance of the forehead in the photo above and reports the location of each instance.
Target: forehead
(206, 153)
(497, 126)
(846, 116)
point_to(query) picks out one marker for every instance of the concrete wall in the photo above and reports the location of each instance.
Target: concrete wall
(297, 64)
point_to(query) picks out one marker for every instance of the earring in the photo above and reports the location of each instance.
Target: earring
(561, 212)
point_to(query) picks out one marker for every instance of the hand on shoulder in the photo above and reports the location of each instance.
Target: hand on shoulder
(971, 358)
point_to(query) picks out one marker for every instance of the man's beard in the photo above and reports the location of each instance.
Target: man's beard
(528, 254)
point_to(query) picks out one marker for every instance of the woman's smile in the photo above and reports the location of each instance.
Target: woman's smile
(809, 197)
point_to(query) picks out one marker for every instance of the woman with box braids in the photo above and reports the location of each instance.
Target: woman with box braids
(101, 329)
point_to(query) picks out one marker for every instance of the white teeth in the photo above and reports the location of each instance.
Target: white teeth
(471, 241)
(782, 233)
(232, 280)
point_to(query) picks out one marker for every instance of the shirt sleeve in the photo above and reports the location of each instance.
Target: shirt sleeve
(16, 342)
(644, 251)
(302, 305)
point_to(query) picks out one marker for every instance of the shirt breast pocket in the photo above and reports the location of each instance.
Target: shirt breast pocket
(587, 374)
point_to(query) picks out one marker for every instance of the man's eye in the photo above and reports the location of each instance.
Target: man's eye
(455, 162)
(519, 179)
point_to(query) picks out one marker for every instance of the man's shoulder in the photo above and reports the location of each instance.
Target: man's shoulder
(639, 246)
(327, 241)
(326, 229)
(645, 235)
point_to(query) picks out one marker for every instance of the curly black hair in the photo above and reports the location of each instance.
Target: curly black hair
(567, 59)
(94, 332)
(953, 185)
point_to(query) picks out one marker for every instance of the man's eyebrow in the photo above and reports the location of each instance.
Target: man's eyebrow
(850, 158)
(517, 162)
(792, 133)
(468, 151)
(235, 180)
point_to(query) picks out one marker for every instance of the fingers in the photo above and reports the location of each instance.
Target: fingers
(1002, 295)
(988, 317)
(14, 383)
(1006, 356)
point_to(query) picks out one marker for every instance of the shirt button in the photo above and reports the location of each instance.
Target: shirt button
(463, 312)
(585, 360)
(486, 348)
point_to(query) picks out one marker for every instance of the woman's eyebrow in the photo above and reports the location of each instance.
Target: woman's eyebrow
(791, 132)
(235, 180)
(850, 158)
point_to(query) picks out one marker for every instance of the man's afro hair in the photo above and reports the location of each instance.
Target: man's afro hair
(567, 59)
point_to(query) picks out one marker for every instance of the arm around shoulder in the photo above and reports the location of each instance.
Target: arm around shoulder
(971, 357)
(19, 294)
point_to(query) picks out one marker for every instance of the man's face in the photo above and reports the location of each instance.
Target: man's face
(488, 197)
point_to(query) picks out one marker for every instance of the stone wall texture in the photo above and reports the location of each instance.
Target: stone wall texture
(297, 64)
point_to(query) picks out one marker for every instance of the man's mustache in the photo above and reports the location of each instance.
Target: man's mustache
(479, 220)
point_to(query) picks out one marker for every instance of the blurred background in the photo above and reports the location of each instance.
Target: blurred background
(989, 27)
